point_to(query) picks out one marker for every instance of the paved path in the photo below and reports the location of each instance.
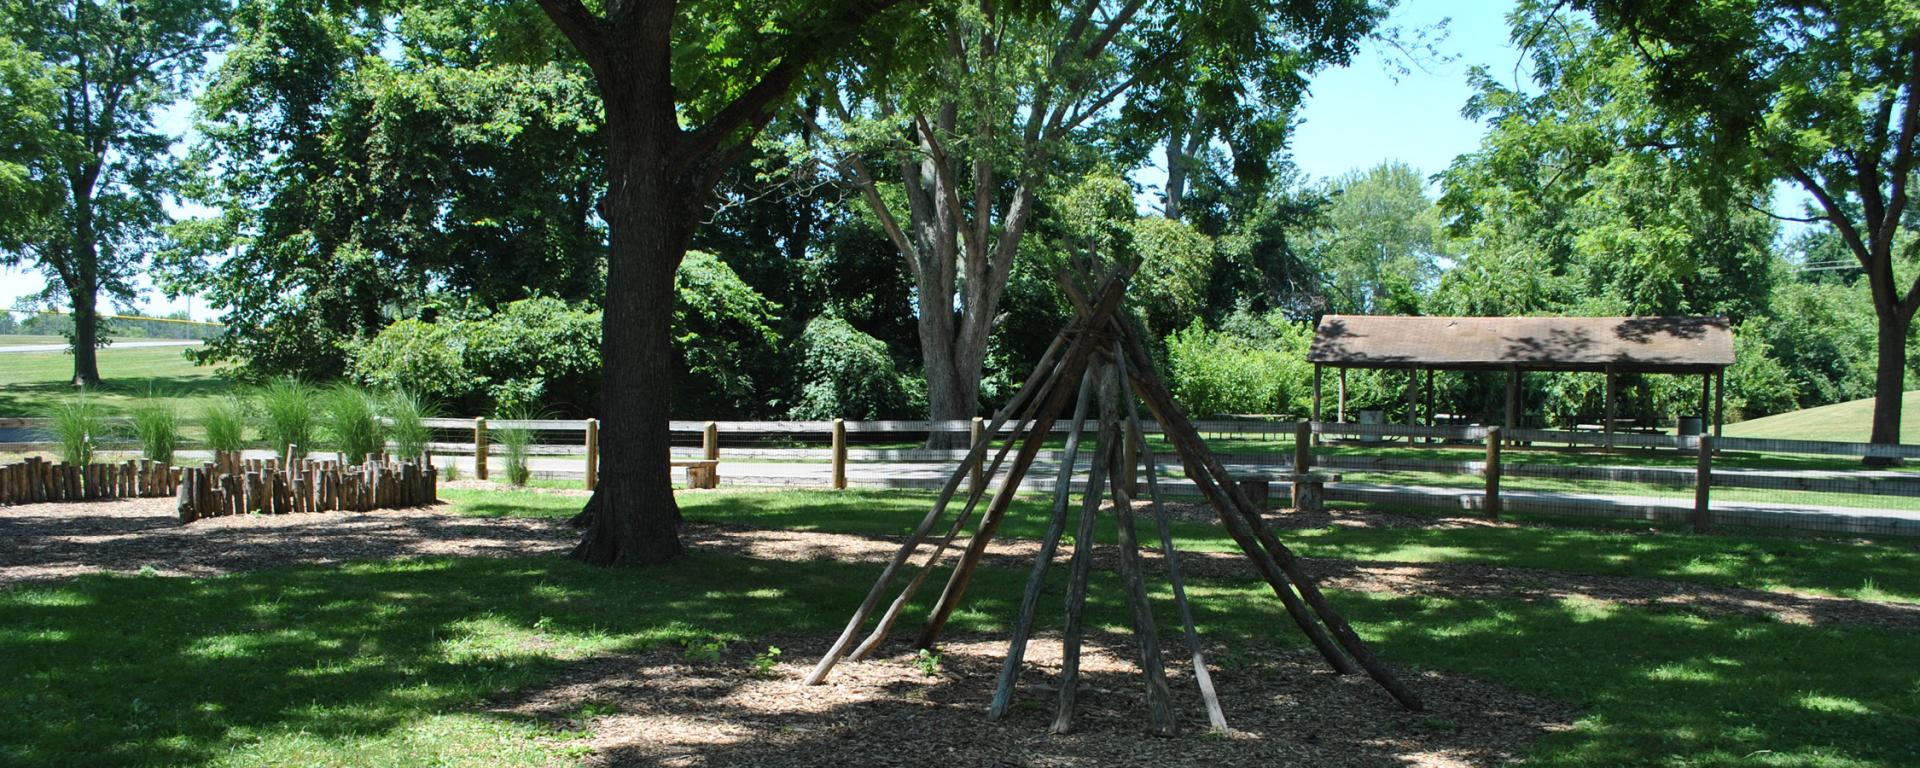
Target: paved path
(1041, 478)
(62, 346)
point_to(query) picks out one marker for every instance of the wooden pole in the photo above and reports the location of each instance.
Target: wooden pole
(1513, 399)
(1078, 569)
(1049, 546)
(479, 448)
(975, 432)
(1428, 390)
(839, 454)
(1042, 372)
(1719, 400)
(1315, 415)
(1130, 459)
(710, 441)
(1159, 699)
(1612, 396)
(1343, 396)
(1706, 392)
(1215, 717)
(593, 453)
(1703, 486)
(1492, 472)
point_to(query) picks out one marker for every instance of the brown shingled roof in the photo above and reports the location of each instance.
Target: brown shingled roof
(1628, 344)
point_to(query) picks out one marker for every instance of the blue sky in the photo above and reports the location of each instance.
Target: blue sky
(1357, 117)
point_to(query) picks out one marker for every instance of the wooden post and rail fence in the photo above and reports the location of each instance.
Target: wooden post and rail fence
(1306, 473)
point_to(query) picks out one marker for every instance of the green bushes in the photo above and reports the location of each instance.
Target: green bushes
(848, 374)
(157, 426)
(530, 352)
(78, 424)
(287, 415)
(1252, 368)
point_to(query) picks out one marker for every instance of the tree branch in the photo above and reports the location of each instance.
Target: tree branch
(943, 178)
(586, 31)
(1902, 153)
(754, 107)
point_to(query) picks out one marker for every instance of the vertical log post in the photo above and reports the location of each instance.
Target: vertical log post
(1492, 471)
(480, 448)
(976, 432)
(593, 453)
(839, 454)
(1703, 486)
(710, 441)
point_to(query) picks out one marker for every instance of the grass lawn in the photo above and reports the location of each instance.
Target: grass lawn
(1847, 422)
(32, 382)
(392, 663)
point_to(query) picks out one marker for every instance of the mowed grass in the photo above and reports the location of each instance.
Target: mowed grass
(1848, 422)
(398, 663)
(1764, 560)
(32, 382)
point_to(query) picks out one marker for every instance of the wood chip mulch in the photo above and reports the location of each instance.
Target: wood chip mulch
(45, 542)
(658, 709)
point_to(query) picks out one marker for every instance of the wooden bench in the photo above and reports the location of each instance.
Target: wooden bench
(701, 473)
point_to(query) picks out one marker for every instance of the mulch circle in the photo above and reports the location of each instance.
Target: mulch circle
(1282, 708)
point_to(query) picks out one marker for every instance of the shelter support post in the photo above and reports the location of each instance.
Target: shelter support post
(1413, 400)
(1512, 421)
(1719, 400)
(1343, 396)
(1316, 393)
(1612, 395)
(1429, 391)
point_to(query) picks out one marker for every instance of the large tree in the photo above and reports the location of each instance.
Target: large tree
(979, 106)
(685, 86)
(89, 202)
(461, 167)
(1825, 96)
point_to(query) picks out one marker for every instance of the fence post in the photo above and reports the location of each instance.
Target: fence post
(839, 454)
(710, 442)
(479, 448)
(1702, 486)
(978, 430)
(1492, 502)
(593, 453)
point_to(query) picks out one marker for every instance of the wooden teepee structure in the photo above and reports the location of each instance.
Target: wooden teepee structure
(1102, 352)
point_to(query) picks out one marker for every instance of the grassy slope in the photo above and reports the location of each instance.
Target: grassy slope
(388, 663)
(31, 382)
(1846, 422)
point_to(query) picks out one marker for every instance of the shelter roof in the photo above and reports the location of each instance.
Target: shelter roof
(1627, 344)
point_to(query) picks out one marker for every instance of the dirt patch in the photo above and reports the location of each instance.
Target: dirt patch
(656, 708)
(41, 542)
(1454, 580)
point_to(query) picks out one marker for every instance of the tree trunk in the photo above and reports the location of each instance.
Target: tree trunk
(1889, 381)
(86, 337)
(953, 391)
(632, 517)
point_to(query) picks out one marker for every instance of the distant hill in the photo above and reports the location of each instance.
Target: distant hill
(1847, 422)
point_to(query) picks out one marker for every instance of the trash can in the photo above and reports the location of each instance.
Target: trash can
(1372, 416)
(1692, 425)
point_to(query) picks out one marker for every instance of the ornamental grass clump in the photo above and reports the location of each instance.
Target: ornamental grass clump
(407, 414)
(288, 415)
(78, 425)
(351, 419)
(224, 424)
(516, 445)
(156, 424)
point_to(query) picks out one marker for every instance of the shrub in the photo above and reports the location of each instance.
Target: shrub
(407, 413)
(157, 426)
(422, 357)
(848, 374)
(225, 423)
(352, 423)
(78, 424)
(1214, 372)
(287, 415)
